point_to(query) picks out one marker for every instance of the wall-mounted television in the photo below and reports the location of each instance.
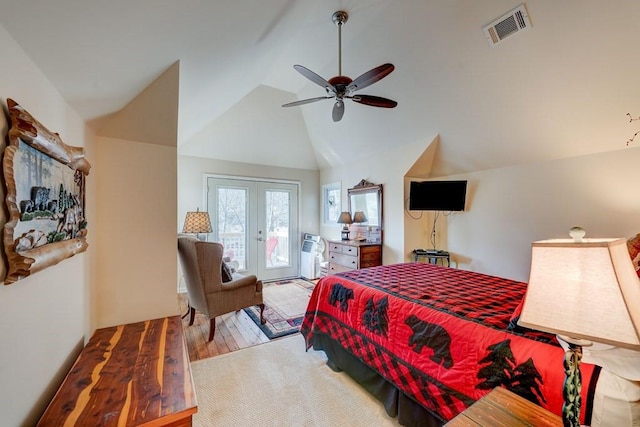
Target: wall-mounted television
(437, 195)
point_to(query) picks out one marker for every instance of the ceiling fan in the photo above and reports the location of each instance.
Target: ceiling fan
(342, 87)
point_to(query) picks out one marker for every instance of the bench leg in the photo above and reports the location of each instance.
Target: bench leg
(193, 316)
(212, 328)
(262, 321)
(188, 311)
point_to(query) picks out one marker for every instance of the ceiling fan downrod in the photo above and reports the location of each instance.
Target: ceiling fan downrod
(339, 18)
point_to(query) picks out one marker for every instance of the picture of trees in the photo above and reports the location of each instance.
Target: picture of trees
(499, 368)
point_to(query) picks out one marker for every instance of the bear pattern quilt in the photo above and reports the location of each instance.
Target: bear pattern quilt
(444, 337)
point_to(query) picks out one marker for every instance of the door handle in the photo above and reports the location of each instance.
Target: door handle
(260, 239)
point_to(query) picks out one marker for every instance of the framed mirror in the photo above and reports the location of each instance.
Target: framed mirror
(367, 198)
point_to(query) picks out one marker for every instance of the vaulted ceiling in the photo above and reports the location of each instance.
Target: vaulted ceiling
(560, 89)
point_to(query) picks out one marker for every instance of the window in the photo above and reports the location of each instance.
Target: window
(331, 203)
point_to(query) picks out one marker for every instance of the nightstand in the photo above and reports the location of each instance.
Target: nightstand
(503, 408)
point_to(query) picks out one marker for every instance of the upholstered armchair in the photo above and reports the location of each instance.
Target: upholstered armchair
(201, 265)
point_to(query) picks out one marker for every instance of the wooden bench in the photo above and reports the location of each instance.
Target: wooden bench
(502, 408)
(128, 375)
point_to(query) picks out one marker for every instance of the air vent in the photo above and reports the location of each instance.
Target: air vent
(511, 23)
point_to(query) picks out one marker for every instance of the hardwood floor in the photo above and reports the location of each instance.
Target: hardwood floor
(233, 332)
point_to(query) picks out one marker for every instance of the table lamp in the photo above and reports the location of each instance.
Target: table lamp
(345, 218)
(358, 218)
(584, 291)
(197, 222)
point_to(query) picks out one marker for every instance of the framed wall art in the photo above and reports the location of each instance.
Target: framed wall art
(45, 180)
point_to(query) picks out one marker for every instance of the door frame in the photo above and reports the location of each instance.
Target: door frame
(296, 235)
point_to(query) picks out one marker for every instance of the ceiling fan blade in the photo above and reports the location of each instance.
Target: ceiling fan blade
(374, 101)
(315, 78)
(370, 77)
(306, 101)
(338, 110)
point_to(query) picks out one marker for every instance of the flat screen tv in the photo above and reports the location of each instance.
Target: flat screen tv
(437, 195)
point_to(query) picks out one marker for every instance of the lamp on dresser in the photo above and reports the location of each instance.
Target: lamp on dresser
(197, 222)
(345, 218)
(358, 218)
(584, 291)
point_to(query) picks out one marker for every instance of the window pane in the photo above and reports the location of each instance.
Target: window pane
(232, 224)
(331, 203)
(278, 228)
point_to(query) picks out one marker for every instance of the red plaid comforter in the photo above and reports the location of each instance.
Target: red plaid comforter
(440, 335)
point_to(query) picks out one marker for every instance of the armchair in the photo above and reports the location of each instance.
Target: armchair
(201, 265)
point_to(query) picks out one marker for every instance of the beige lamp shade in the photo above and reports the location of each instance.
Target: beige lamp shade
(584, 290)
(359, 217)
(197, 222)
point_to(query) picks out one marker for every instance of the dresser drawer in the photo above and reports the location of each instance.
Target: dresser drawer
(335, 247)
(350, 250)
(343, 259)
(335, 268)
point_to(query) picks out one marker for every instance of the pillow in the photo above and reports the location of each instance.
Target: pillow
(226, 273)
(633, 244)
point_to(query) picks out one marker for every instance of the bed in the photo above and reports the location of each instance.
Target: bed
(428, 341)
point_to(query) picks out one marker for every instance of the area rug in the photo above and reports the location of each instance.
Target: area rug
(285, 303)
(279, 384)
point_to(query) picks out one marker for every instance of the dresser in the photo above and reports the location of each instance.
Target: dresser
(345, 255)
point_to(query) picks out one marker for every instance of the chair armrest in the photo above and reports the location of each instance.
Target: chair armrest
(240, 282)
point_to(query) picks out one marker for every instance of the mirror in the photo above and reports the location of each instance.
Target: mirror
(366, 197)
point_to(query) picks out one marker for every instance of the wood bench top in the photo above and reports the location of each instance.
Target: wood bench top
(128, 375)
(502, 408)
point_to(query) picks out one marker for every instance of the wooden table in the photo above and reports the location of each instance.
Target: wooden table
(128, 375)
(502, 408)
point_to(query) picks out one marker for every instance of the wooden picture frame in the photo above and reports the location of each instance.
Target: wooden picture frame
(45, 180)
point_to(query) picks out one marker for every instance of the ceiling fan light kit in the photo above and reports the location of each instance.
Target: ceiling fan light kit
(342, 87)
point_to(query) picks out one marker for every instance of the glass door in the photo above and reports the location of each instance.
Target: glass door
(257, 222)
(278, 242)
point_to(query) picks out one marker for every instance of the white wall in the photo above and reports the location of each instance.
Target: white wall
(511, 207)
(137, 212)
(43, 318)
(137, 267)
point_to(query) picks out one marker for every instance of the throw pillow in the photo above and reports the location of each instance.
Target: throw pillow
(226, 273)
(633, 244)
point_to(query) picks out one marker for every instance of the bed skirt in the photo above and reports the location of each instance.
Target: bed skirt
(396, 403)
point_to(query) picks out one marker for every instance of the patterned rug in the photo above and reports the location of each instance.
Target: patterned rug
(285, 303)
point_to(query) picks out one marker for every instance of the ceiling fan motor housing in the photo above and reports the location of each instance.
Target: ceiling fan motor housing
(340, 83)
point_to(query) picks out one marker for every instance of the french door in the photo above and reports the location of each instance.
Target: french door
(257, 222)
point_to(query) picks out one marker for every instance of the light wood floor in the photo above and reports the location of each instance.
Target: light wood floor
(233, 332)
